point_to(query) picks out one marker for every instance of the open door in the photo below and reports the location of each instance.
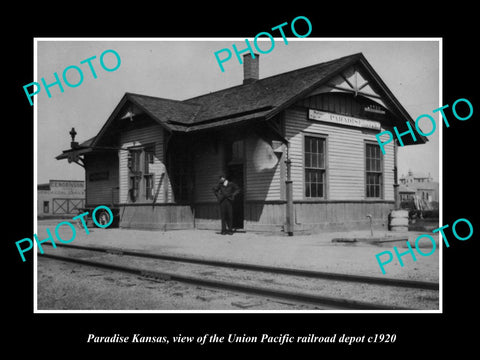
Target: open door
(235, 174)
(234, 166)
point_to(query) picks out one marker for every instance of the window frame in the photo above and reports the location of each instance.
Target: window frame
(150, 151)
(380, 172)
(138, 172)
(133, 187)
(323, 138)
(46, 207)
(146, 189)
(132, 160)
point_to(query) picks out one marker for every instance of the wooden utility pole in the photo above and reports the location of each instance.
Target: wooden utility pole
(289, 223)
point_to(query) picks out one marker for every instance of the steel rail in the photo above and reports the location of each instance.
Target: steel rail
(255, 290)
(271, 269)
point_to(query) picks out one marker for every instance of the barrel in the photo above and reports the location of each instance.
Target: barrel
(398, 220)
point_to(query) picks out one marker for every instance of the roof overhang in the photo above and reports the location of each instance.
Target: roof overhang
(179, 116)
(392, 104)
(127, 97)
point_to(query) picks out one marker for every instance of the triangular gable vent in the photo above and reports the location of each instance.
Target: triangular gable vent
(352, 81)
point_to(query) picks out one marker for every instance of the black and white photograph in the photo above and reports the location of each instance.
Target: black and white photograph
(266, 182)
(222, 179)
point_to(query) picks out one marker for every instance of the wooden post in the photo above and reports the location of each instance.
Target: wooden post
(289, 223)
(396, 185)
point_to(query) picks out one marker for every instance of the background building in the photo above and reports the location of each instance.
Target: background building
(60, 198)
(420, 188)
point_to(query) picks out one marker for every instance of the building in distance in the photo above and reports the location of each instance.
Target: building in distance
(60, 198)
(419, 188)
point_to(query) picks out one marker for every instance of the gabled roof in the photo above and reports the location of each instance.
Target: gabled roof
(161, 110)
(271, 92)
(166, 110)
(261, 99)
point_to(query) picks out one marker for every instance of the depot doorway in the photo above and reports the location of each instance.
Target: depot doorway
(235, 172)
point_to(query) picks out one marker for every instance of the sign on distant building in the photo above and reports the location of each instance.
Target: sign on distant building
(60, 198)
(66, 184)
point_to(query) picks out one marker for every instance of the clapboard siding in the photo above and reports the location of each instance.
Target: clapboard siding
(101, 192)
(345, 160)
(262, 170)
(141, 137)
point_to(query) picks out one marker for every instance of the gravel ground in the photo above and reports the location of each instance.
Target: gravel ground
(377, 294)
(65, 286)
(315, 252)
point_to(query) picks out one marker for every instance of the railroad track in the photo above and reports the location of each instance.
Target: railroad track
(293, 285)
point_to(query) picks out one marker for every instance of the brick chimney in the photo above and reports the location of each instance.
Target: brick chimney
(250, 68)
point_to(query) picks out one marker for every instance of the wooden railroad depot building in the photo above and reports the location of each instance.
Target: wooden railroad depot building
(301, 145)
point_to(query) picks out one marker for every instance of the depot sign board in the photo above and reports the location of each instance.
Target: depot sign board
(342, 119)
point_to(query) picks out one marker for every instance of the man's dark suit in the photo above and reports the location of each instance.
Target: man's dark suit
(225, 195)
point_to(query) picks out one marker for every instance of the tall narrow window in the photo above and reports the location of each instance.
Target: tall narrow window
(374, 171)
(135, 173)
(141, 173)
(149, 158)
(149, 187)
(134, 187)
(314, 167)
(134, 160)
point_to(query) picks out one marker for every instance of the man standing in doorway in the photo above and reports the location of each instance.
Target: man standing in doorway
(225, 192)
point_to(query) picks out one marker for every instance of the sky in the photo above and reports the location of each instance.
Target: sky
(179, 69)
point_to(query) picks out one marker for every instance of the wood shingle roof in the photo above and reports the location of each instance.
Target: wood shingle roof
(270, 92)
(261, 99)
